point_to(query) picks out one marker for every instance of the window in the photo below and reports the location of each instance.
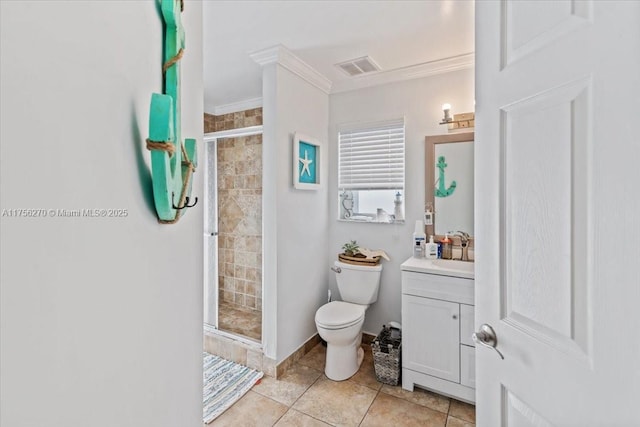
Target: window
(371, 172)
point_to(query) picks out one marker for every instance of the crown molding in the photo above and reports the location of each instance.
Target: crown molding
(284, 57)
(247, 104)
(426, 69)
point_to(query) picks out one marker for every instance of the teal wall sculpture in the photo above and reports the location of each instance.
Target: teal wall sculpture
(172, 162)
(441, 191)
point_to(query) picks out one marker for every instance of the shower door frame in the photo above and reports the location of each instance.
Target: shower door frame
(211, 285)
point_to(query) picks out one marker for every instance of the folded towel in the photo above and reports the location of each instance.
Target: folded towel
(370, 254)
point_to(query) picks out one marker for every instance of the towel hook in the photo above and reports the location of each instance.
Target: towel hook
(186, 203)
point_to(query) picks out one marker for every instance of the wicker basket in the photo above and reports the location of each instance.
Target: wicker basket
(386, 356)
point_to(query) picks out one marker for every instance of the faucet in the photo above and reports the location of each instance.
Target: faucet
(464, 242)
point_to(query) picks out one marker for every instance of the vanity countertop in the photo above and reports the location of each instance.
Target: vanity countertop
(443, 267)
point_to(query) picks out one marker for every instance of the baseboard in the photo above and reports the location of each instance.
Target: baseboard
(305, 348)
(252, 357)
(239, 352)
(297, 355)
(368, 338)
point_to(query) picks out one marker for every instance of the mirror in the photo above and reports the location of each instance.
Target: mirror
(449, 182)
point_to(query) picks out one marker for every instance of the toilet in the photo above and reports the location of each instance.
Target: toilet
(339, 323)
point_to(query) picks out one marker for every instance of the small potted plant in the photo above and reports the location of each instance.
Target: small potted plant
(351, 248)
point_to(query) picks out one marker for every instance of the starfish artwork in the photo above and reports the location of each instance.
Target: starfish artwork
(305, 164)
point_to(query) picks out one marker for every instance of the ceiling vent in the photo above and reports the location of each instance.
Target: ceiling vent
(358, 66)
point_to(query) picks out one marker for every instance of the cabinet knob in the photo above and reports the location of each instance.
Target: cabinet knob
(455, 316)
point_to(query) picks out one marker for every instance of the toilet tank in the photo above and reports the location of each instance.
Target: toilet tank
(358, 284)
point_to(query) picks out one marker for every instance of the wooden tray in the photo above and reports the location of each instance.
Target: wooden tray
(359, 259)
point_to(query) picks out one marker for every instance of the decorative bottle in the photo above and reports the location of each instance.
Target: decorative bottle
(397, 211)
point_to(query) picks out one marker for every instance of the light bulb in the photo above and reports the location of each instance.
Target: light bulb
(447, 112)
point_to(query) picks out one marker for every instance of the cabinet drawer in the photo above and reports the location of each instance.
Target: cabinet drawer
(439, 287)
(468, 366)
(466, 324)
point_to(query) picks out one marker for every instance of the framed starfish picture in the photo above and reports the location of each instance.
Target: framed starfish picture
(306, 162)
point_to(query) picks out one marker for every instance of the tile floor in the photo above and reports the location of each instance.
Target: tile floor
(305, 397)
(239, 320)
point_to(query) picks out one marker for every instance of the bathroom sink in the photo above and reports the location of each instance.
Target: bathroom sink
(452, 264)
(444, 267)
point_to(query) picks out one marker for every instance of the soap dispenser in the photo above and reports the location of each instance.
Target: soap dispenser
(431, 249)
(446, 247)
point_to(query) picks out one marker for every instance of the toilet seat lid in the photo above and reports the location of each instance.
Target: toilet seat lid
(339, 314)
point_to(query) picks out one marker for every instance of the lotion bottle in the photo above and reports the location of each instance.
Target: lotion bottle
(419, 239)
(431, 251)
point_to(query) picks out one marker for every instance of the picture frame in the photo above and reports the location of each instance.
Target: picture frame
(307, 161)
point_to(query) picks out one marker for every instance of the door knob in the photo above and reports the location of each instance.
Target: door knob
(486, 336)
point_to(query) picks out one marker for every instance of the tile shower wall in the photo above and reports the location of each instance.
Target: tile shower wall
(229, 121)
(239, 210)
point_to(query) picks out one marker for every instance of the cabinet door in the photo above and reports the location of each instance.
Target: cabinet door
(466, 324)
(468, 366)
(431, 337)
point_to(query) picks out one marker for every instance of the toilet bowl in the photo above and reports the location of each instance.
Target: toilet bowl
(339, 323)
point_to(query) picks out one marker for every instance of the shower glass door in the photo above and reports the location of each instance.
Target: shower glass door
(233, 233)
(211, 236)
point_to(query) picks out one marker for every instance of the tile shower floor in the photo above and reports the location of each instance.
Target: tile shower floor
(304, 396)
(240, 321)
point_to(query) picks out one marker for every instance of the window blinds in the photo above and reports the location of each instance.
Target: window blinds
(372, 158)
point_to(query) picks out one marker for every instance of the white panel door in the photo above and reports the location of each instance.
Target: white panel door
(557, 212)
(431, 338)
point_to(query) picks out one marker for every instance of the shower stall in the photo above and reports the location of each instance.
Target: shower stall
(233, 233)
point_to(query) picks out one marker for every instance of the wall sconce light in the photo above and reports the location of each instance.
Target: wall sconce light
(458, 121)
(446, 108)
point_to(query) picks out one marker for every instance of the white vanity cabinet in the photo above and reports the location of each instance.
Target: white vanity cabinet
(437, 322)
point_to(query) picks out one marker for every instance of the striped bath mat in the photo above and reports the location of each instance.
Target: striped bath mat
(224, 383)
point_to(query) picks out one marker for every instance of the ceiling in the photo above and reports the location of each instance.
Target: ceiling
(397, 35)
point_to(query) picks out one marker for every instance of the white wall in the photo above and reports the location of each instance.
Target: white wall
(419, 101)
(295, 221)
(101, 317)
